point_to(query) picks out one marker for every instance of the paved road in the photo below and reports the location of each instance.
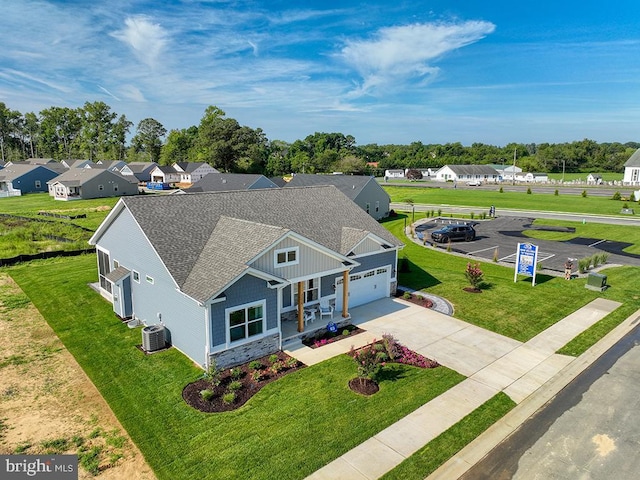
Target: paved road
(590, 430)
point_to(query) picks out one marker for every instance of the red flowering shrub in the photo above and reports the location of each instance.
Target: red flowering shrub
(473, 274)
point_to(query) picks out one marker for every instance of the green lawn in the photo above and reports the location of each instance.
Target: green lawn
(288, 430)
(516, 200)
(618, 233)
(516, 310)
(568, 177)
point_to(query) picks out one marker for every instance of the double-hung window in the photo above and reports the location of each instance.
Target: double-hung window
(311, 291)
(246, 321)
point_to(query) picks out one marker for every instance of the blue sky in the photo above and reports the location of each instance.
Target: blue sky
(385, 72)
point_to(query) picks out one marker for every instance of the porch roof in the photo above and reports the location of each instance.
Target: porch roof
(118, 274)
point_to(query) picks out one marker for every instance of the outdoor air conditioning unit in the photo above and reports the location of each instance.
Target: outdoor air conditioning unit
(153, 338)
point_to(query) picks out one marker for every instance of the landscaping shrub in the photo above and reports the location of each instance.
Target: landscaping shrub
(213, 374)
(369, 360)
(236, 373)
(501, 190)
(235, 386)
(206, 395)
(584, 194)
(528, 190)
(473, 274)
(255, 365)
(556, 193)
(584, 264)
(407, 295)
(616, 196)
(229, 398)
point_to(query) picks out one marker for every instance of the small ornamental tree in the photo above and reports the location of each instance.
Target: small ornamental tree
(369, 359)
(474, 274)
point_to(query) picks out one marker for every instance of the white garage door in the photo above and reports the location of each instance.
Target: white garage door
(365, 287)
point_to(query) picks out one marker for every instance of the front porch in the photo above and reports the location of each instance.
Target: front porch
(289, 326)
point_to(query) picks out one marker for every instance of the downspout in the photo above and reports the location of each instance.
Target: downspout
(207, 330)
(345, 294)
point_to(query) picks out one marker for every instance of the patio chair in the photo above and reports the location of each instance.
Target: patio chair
(326, 309)
(309, 316)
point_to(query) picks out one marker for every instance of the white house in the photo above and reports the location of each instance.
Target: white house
(191, 172)
(466, 173)
(394, 173)
(532, 177)
(632, 169)
(594, 179)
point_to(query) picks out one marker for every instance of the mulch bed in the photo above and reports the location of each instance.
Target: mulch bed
(363, 386)
(472, 290)
(415, 299)
(325, 336)
(249, 386)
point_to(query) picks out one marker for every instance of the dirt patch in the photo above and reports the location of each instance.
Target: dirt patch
(47, 403)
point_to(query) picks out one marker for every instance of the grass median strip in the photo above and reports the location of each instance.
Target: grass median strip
(288, 430)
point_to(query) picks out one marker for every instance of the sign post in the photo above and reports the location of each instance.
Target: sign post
(526, 261)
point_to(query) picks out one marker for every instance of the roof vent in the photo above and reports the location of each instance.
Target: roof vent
(153, 338)
(224, 180)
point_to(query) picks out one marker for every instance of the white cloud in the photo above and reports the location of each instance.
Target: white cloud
(404, 52)
(145, 38)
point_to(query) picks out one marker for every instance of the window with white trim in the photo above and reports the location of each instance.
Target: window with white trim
(136, 276)
(285, 257)
(311, 291)
(149, 279)
(245, 321)
(38, 184)
(116, 264)
(100, 187)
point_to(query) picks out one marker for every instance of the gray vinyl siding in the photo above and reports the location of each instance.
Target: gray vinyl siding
(310, 261)
(183, 318)
(89, 189)
(378, 260)
(247, 289)
(367, 246)
(286, 296)
(372, 193)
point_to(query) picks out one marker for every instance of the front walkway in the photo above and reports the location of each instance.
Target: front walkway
(492, 363)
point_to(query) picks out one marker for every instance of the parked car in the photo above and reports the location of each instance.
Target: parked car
(464, 232)
(474, 183)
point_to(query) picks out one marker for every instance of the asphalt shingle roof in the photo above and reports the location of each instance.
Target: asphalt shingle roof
(634, 160)
(473, 170)
(196, 234)
(224, 182)
(77, 176)
(350, 185)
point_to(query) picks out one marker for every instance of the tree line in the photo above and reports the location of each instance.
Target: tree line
(95, 132)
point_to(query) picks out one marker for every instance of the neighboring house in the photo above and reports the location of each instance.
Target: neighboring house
(16, 180)
(224, 182)
(165, 174)
(140, 170)
(466, 173)
(363, 190)
(397, 173)
(191, 172)
(112, 165)
(594, 179)
(529, 177)
(632, 169)
(223, 272)
(506, 171)
(85, 183)
(34, 161)
(77, 163)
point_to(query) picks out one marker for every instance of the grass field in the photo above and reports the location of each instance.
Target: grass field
(288, 430)
(518, 200)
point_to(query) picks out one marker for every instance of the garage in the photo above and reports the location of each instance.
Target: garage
(365, 287)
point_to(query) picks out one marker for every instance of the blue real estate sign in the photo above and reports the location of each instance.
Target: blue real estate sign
(526, 259)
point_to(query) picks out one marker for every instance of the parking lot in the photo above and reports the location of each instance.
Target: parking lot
(500, 237)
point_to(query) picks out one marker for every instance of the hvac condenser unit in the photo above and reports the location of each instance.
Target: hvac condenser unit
(153, 338)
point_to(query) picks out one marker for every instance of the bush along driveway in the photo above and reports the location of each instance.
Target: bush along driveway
(290, 429)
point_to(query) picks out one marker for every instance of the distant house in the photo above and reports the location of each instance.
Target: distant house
(16, 180)
(506, 172)
(77, 163)
(363, 190)
(394, 173)
(632, 169)
(467, 173)
(231, 275)
(165, 174)
(85, 183)
(140, 170)
(112, 165)
(529, 177)
(225, 182)
(594, 179)
(191, 172)
(34, 161)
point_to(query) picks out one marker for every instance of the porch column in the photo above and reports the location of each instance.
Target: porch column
(345, 294)
(300, 306)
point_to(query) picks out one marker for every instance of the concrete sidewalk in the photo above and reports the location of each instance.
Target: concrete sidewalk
(492, 363)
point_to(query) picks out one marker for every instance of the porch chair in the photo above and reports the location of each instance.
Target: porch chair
(309, 316)
(326, 309)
